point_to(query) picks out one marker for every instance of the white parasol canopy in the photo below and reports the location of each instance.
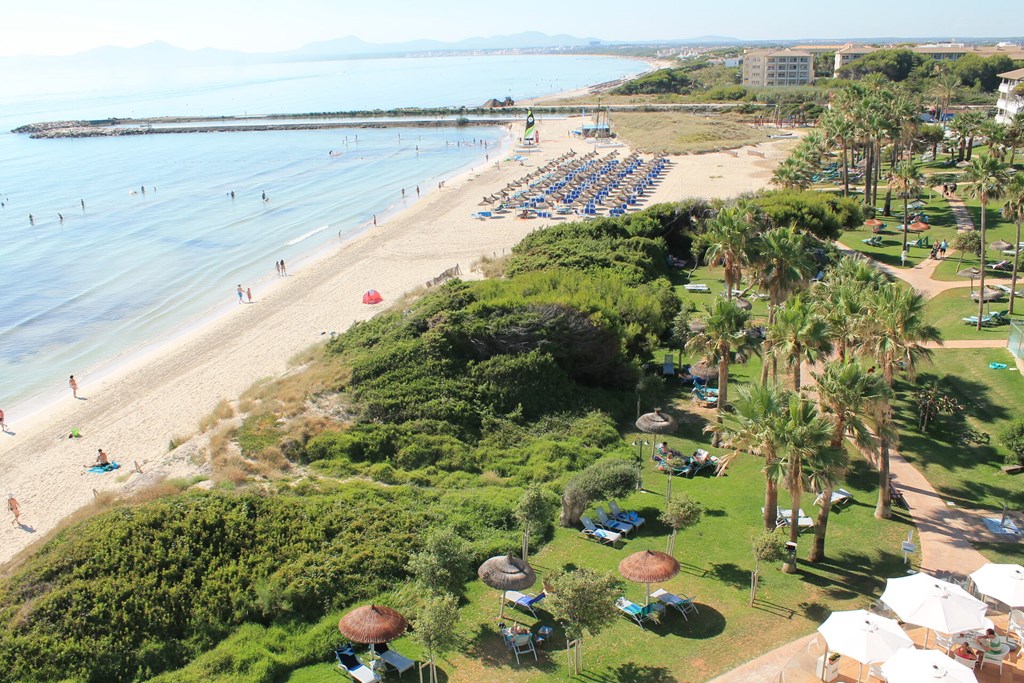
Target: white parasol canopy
(926, 666)
(935, 604)
(863, 636)
(1004, 582)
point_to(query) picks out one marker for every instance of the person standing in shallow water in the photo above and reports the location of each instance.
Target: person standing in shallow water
(248, 293)
(277, 267)
(241, 293)
(74, 386)
(284, 271)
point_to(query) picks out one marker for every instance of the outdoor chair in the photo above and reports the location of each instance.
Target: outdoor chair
(520, 644)
(524, 600)
(994, 658)
(391, 658)
(684, 605)
(944, 641)
(897, 495)
(703, 289)
(668, 367)
(705, 399)
(677, 467)
(1016, 619)
(631, 516)
(875, 671)
(351, 664)
(969, 663)
(839, 498)
(639, 614)
(783, 518)
(702, 460)
(590, 530)
(606, 522)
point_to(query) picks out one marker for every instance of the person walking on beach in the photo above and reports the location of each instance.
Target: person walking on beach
(3, 425)
(403, 193)
(74, 386)
(375, 220)
(277, 266)
(284, 271)
(241, 293)
(248, 293)
(12, 505)
(417, 192)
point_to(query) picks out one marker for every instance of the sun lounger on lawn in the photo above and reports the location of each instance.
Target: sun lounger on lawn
(839, 497)
(603, 535)
(683, 604)
(606, 522)
(524, 600)
(702, 460)
(400, 663)
(348, 662)
(783, 518)
(521, 644)
(697, 288)
(638, 613)
(631, 516)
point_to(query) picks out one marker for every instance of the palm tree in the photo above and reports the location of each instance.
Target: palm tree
(727, 240)
(974, 122)
(1015, 136)
(1013, 210)
(905, 178)
(840, 298)
(794, 173)
(893, 337)
(781, 265)
(799, 334)
(845, 390)
(756, 426)
(825, 470)
(839, 129)
(986, 180)
(806, 435)
(961, 129)
(942, 91)
(725, 333)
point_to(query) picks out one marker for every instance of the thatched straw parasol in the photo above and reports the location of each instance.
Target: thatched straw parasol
(873, 223)
(507, 573)
(919, 226)
(703, 370)
(372, 624)
(1000, 246)
(972, 273)
(656, 423)
(989, 294)
(648, 566)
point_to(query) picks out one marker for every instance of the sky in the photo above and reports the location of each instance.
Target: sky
(60, 27)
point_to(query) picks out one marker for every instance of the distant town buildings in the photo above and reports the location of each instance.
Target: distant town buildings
(778, 67)
(1009, 104)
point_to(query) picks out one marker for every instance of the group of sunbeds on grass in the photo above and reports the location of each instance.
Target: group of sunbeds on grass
(388, 658)
(653, 611)
(675, 463)
(611, 526)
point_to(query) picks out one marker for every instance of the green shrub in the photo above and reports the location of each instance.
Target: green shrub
(257, 433)
(1012, 437)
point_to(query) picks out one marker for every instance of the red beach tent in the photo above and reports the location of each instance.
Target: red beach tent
(372, 297)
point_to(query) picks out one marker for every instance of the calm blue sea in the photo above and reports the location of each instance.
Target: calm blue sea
(131, 267)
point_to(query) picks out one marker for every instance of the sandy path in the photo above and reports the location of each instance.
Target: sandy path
(132, 413)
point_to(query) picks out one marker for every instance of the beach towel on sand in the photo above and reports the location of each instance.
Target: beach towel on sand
(100, 469)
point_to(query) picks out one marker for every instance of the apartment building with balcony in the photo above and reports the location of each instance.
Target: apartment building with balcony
(777, 67)
(1009, 104)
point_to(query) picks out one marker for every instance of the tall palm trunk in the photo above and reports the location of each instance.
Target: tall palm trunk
(771, 497)
(1016, 260)
(798, 353)
(981, 290)
(846, 172)
(867, 172)
(821, 525)
(884, 508)
(905, 204)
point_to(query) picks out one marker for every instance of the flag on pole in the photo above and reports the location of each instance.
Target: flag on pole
(529, 125)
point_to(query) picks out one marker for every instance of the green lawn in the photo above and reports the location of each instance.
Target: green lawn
(947, 309)
(940, 217)
(961, 467)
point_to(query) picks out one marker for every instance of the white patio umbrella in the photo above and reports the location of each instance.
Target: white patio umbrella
(1004, 582)
(925, 666)
(935, 604)
(863, 636)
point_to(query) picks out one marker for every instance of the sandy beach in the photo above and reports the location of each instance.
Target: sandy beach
(133, 411)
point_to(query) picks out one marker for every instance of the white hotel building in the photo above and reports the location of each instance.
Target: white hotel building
(1009, 104)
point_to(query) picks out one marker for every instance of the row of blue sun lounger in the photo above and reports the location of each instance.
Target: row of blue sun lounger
(350, 663)
(611, 526)
(989, 320)
(641, 614)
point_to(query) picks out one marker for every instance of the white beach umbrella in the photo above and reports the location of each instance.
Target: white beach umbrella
(925, 666)
(935, 604)
(863, 636)
(1004, 582)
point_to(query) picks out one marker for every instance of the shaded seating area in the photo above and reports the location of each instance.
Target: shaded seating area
(354, 667)
(521, 643)
(682, 604)
(839, 498)
(783, 518)
(524, 601)
(629, 516)
(399, 663)
(591, 530)
(640, 614)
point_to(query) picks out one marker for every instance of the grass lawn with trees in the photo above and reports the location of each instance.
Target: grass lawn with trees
(946, 311)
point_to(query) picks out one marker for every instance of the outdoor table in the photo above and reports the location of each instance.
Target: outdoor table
(543, 635)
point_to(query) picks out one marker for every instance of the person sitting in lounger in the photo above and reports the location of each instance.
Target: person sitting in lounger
(665, 452)
(964, 651)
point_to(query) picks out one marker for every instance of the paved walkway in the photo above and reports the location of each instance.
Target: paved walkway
(964, 222)
(919, 277)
